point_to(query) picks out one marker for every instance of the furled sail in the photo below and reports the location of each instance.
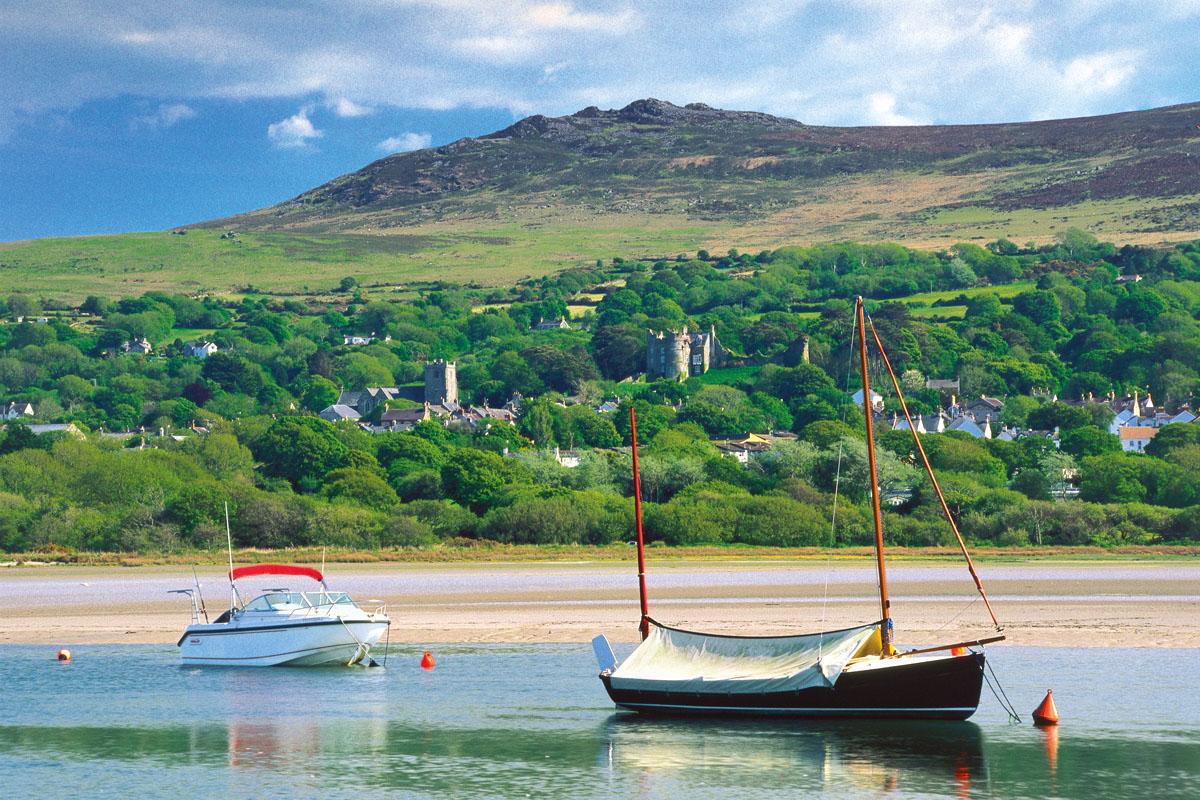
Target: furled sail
(675, 660)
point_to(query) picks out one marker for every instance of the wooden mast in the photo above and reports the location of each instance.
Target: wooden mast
(933, 480)
(644, 625)
(885, 628)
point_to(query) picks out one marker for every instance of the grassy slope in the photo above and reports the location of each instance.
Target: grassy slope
(493, 252)
(312, 264)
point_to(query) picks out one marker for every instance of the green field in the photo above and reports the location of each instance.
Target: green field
(200, 262)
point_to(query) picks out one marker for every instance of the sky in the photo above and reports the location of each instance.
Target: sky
(124, 115)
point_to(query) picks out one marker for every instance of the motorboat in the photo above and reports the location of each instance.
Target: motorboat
(853, 673)
(282, 627)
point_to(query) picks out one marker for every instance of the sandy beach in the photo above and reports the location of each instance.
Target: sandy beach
(1107, 603)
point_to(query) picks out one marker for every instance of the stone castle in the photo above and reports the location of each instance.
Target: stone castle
(679, 356)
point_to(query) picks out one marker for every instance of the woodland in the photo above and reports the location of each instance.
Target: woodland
(159, 444)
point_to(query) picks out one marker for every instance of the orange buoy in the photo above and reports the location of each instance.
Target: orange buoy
(64, 655)
(427, 660)
(1046, 713)
(958, 651)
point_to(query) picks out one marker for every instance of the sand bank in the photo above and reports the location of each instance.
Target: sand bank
(1055, 603)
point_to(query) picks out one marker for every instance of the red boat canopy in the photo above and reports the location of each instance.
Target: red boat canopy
(276, 569)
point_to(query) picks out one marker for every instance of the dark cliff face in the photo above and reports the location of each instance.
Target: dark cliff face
(651, 146)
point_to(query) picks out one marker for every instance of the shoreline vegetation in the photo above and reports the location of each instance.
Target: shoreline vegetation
(430, 421)
(486, 552)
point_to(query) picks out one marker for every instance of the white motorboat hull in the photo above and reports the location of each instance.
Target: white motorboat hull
(304, 642)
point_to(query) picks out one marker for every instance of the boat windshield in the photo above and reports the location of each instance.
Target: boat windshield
(329, 599)
(287, 602)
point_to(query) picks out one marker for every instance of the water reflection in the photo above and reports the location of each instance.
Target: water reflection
(945, 758)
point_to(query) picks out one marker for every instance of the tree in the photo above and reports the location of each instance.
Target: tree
(591, 428)
(21, 305)
(1058, 468)
(1089, 441)
(1017, 409)
(1058, 415)
(1039, 306)
(233, 374)
(73, 390)
(537, 422)
(319, 394)
(499, 437)
(515, 375)
(961, 275)
(620, 350)
(359, 370)
(1112, 478)
(361, 487)
(983, 307)
(1140, 307)
(651, 420)
(302, 450)
(477, 479)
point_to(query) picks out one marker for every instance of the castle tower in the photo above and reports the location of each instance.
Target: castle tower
(441, 382)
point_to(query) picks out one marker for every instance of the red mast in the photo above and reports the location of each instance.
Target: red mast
(644, 625)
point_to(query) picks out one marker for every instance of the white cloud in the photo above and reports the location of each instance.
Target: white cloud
(295, 131)
(405, 142)
(562, 16)
(881, 110)
(1100, 72)
(344, 107)
(829, 62)
(165, 116)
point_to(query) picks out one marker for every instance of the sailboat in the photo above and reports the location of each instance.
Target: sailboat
(851, 673)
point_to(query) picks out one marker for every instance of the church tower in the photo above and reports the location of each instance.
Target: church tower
(441, 382)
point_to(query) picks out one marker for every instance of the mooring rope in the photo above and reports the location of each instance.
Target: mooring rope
(365, 648)
(998, 692)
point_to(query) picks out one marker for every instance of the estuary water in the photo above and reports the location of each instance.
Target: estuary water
(516, 721)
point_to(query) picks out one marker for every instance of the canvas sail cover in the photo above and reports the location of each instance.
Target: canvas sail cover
(675, 660)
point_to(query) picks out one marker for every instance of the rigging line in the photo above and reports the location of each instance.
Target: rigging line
(932, 479)
(837, 482)
(970, 603)
(1005, 703)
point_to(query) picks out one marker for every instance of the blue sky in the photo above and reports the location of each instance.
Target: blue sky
(132, 115)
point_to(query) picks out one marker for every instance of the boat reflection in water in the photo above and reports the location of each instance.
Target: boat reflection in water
(910, 757)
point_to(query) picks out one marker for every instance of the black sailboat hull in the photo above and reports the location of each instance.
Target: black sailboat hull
(900, 688)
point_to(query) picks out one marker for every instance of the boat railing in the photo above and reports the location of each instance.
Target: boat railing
(191, 593)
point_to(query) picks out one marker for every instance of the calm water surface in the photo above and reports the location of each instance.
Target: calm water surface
(533, 721)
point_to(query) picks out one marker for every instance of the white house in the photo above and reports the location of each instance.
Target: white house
(138, 346)
(876, 399)
(1134, 438)
(553, 325)
(16, 410)
(202, 350)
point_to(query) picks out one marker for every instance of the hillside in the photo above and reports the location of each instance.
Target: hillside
(652, 180)
(768, 179)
